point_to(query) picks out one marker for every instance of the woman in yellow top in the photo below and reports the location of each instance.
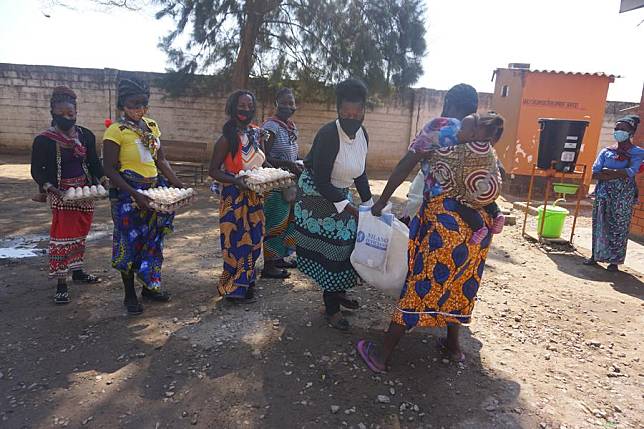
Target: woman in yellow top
(133, 158)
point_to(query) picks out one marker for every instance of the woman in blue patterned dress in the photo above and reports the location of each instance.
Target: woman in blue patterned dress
(325, 219)
(615, 195)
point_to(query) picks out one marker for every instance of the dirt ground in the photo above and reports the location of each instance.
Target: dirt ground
(553, 344)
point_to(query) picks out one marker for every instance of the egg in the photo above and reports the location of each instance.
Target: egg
(101, 190)
(69, 194)
(78, 193)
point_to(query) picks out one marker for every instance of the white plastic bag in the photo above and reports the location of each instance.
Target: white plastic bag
(415, 195)
(372, 237)
(390, 281)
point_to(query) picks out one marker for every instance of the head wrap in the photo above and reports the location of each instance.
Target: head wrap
(62, 94)
(632, 120)
(131, 86)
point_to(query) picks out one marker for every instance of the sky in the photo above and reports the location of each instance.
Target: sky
(467, 39)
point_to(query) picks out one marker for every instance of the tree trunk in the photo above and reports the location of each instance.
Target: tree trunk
(255, 11)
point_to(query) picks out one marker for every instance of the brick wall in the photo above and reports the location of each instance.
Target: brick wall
(24, 111)
(637, 224)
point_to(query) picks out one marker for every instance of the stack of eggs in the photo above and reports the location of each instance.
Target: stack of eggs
(166, 199)
(266, 179)
(85, 193)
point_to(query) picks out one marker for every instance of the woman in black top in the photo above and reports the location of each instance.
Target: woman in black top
(325, 218)
(64, 156)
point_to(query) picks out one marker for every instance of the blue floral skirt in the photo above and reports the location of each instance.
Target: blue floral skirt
(324, 238)
(137, 244)
(612, 213)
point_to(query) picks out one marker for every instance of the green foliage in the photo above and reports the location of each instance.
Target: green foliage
(309, 44)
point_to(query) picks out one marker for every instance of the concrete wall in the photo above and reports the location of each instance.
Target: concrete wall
(24, 111)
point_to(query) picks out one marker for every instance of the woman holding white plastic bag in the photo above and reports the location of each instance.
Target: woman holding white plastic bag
(325, 218)
(445, 267)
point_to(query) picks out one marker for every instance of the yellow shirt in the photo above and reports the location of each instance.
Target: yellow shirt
(133, 156)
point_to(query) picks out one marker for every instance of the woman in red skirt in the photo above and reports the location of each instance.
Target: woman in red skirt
(64, 156)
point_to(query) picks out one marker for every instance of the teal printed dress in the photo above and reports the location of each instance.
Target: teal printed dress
(324, 237)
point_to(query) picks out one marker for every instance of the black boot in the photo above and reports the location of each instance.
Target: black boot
(131, 302)
(62, 294)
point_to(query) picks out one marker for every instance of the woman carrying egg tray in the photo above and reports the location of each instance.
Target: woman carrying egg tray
(133, 160)
(241, 210)
(64, 156)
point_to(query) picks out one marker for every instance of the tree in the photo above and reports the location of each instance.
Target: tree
(313, 41)
(380, 41)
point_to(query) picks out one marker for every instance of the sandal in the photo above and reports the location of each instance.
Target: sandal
(590, 262)
(85, 278)
(277, 274)
(158, 295)
(61, 298)
(364, 347)
(287, 265)
(339, 322)
(351, 304)
(613, 268)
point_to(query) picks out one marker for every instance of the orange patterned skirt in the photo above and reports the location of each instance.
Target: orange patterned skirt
(445, 270)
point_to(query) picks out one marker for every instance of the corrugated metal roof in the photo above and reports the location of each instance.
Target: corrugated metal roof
(599, 74)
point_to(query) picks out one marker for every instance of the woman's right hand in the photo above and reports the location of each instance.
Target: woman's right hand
(377, 208)
(352, 210)
(54, 190)
(240, 183)
(142, 201)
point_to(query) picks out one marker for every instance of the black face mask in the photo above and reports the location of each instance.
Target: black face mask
(63, 123)
(350, 126)
(245, 116)
(285, 112)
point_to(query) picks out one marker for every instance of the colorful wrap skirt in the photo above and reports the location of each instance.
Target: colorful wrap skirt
(445, 269)
(137, 245)
(241, 223)
(279, 241)
(324, 237)
(70, 224)
(612, 214)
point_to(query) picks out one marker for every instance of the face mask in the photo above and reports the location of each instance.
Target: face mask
(621, 136)
(350, 126)
(285, 112)
(245, 116)
(62, 122)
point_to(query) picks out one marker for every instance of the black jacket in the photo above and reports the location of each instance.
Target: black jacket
(320, 161)
(43, 158)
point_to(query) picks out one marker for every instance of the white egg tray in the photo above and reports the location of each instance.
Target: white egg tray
(168, 200)
(85, 193)
(266, 179)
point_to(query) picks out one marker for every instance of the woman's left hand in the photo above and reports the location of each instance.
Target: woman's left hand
(377, 208)
(178, 184)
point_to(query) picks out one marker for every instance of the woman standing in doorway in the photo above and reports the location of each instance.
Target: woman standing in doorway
(325, 218)
(64, 156)
(133, 160)
(615, 194)
(281, 152)
(241, 211)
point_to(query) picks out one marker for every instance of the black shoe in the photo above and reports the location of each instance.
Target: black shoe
(159, 296)
(613, 268)
(590, 262)
(134, 308)
(62, 297)
(83, 277)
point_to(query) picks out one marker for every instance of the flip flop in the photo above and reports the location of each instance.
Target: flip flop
(363, 347)
(613, 268)
(590, 262)
(441, 343)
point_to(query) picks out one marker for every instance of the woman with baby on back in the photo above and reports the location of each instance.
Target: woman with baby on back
(446, 258)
